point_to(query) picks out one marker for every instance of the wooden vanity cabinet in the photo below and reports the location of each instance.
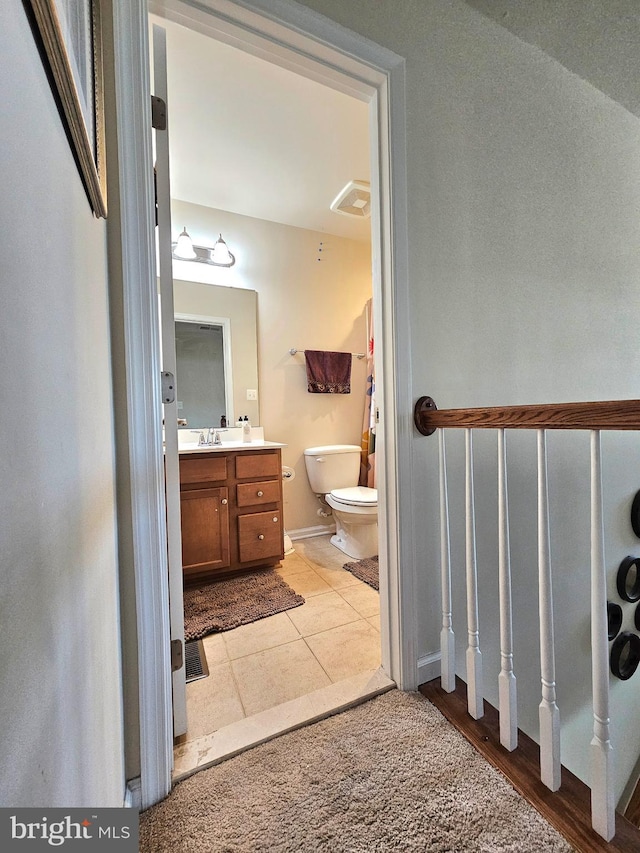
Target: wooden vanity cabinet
(231, 509)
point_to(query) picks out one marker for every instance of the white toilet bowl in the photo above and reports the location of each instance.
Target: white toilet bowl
(356, 512)
(333, 474)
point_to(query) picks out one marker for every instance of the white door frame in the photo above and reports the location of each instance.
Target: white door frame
(132, 255)
(302, 40)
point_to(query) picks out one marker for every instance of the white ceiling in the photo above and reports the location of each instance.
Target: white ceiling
(253, 138)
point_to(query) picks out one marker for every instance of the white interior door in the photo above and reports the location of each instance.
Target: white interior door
(167, 323)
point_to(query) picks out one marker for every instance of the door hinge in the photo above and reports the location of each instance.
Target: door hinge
(168, 387)
(177, 655)
(158, 113)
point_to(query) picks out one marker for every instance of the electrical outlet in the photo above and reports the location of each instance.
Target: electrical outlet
(252, 394)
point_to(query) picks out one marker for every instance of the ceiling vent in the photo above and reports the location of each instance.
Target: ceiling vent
(354, 200)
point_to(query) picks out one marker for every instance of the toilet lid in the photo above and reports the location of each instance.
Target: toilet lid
(356, 496)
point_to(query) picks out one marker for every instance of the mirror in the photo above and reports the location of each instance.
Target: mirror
(217, 353)
(200, 364)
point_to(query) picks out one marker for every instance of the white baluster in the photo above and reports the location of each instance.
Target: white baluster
(602, 804)
(447, 638)
(506, 679)
(549, 714)
(474, 656)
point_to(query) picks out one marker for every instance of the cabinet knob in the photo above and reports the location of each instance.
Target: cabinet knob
(260, 493)
(275, 518)
(260, 535)
(224, 501)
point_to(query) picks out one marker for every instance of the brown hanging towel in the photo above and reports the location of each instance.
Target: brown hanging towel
(328, 372)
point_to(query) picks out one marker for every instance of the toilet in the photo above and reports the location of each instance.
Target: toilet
(333, 471)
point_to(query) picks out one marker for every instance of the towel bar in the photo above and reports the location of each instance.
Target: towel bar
(293, 351)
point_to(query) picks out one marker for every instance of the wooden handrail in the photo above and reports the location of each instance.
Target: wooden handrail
(591, 416)
(613, 414)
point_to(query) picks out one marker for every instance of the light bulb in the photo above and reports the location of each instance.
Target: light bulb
(184, 247)
(220, 254)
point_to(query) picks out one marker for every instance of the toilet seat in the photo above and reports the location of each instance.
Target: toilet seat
(355, 496)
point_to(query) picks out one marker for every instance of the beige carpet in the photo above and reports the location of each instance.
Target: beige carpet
(226, 604)
(388, 775)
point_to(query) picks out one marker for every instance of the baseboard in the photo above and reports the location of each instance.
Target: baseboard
(568, 809)
(309, 532)
(133, 794)
(429, 667)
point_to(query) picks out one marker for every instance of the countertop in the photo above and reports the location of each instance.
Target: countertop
(256, 444)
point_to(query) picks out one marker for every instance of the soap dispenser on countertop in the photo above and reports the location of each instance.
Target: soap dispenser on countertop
(246, 430)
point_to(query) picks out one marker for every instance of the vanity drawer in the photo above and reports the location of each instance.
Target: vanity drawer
(254, 494)
(260, 535)
(202, 469)
(258, 465)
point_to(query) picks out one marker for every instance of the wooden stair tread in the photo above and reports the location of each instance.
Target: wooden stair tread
(568, 810)
(633, 809)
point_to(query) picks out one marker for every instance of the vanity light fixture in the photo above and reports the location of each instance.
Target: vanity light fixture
(184, 250)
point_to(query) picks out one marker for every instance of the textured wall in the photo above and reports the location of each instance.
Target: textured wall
(60, 694)
(524, 187)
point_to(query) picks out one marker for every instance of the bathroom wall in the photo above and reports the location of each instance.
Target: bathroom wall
(307, 299)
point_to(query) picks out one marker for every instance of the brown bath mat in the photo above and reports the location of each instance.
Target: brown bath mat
(365, 570)
(225, 604)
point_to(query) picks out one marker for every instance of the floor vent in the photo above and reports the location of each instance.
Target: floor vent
(195, 661)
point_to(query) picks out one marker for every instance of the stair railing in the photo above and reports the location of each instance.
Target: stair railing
(592, 416)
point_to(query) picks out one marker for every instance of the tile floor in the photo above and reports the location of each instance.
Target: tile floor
(335, 634)
(277, 662)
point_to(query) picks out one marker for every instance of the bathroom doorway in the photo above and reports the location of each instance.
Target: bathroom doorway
(395, 659)
(334, 636)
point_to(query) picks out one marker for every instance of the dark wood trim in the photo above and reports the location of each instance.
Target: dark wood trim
(568, 810)
(614, 415)
(632, 812)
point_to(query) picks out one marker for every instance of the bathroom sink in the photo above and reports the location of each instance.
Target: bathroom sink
(231, 440)
(231, 437)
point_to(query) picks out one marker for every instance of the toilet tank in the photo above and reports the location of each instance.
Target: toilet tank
(332, 466)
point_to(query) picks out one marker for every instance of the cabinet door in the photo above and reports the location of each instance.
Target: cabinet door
(260, 536)
(205, 529)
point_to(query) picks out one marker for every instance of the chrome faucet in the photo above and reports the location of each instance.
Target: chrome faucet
(213, 437)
